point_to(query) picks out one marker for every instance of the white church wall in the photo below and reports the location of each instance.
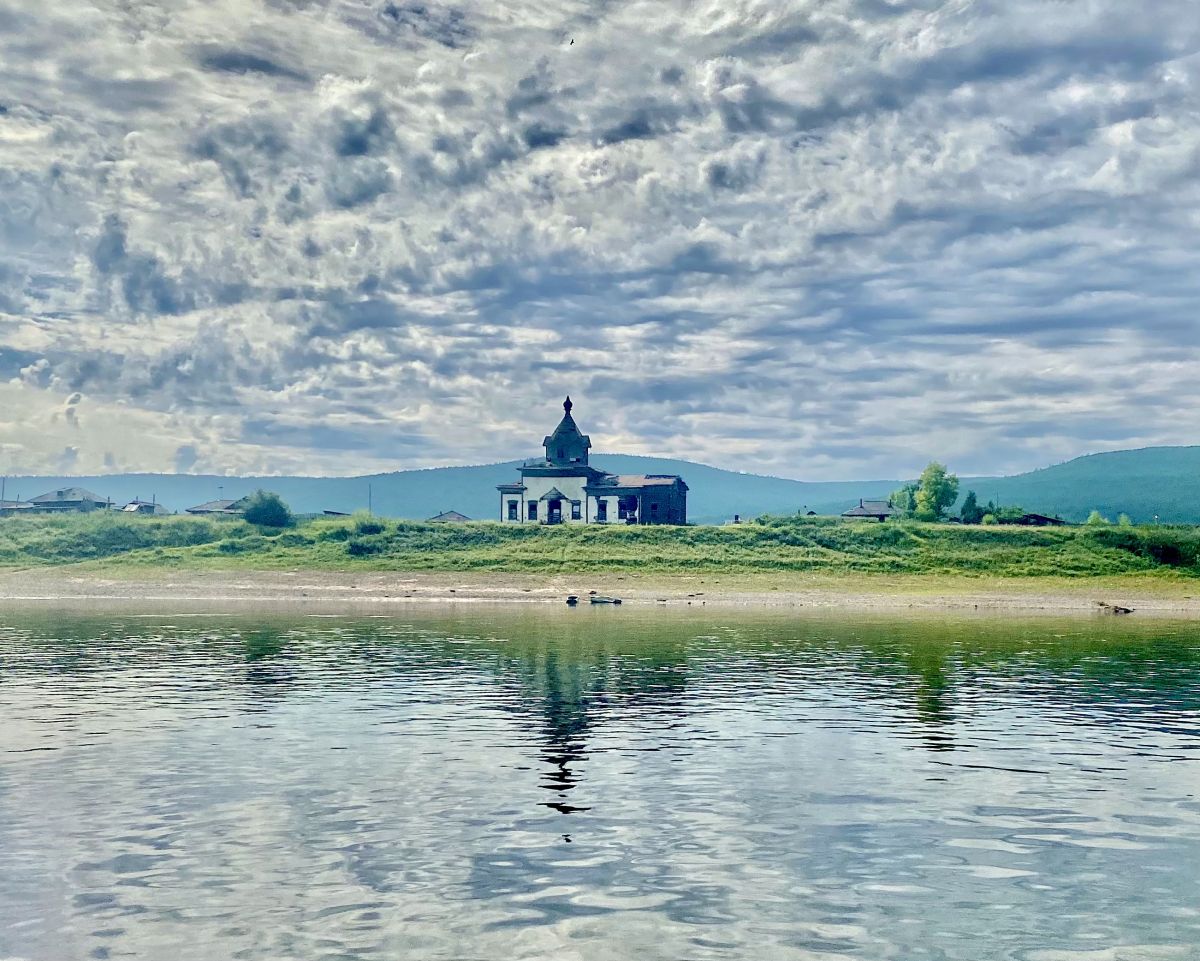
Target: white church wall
(570, 487)
(504, 499)
(594, 510)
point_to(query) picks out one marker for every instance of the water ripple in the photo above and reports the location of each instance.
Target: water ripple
(492, 784)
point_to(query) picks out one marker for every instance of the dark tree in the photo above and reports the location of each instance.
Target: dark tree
(266, 509)
(971, 512)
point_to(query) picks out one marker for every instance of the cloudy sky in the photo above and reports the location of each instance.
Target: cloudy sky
(818, 238)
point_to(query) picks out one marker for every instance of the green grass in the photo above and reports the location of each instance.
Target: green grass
(771, 545)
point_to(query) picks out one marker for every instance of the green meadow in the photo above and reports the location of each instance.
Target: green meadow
(772, 544)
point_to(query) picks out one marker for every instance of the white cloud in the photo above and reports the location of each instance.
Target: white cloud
(823, 240)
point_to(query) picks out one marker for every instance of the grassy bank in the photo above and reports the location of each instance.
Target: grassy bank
(777, 545)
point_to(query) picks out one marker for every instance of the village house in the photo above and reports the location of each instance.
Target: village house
(561, 488)
(449, 517)
(871, 511)
(68, 500)
(221, 508)
(137, 506)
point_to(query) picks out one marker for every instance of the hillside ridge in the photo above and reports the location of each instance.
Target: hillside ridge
(1148, 482)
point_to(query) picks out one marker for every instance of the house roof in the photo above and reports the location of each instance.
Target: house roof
(135, 506)
(1044, 518)
(871, 509)
(553, 494)
(450, 516)
(211, 507)
(639, 480)
(68, 495)
(15, 505)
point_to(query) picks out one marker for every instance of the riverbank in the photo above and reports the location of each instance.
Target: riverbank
(772, 548)
(338, 590)
(776, 562)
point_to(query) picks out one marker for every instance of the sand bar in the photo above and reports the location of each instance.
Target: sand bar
(325, 589)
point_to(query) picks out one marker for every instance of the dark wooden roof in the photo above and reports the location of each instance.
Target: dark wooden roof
(68, 495)
(1032, 519)
(454, 516)
(214, 507)
(871, 509)
(611, 483)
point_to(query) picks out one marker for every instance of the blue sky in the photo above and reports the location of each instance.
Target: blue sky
(818, 239)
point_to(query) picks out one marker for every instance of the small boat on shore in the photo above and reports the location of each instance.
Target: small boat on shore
(597, 599)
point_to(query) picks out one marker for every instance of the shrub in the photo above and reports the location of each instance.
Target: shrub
(1172, 548)
(363, 548)
(367, 525)
(242, 545)
(267, 509)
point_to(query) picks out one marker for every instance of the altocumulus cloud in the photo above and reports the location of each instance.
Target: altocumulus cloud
(813, 238)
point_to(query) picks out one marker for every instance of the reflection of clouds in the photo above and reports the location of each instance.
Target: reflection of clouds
(747, 794)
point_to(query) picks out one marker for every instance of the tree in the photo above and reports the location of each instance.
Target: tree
(1124, 521)
(1096, 519)
(937, 491)
(971, 512)
(904, 500)
(266, 509)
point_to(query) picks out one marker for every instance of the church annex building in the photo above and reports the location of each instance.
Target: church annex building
(561, 488)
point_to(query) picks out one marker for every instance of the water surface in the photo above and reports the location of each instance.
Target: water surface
(489, 783)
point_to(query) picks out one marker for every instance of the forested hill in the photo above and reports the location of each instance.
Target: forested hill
(1163, 481)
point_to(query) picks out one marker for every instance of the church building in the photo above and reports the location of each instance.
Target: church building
(561, 488)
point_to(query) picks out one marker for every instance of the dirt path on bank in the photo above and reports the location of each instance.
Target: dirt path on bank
(237, 590)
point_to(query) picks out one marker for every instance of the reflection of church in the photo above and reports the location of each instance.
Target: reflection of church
(561, 488)
(570, 696)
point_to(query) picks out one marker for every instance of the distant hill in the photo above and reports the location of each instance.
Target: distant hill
(715, 494)
(1162, 481)
(1142, 483)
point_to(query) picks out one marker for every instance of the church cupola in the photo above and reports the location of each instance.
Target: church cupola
(566, 447)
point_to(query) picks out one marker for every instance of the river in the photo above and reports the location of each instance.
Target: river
(490, 782)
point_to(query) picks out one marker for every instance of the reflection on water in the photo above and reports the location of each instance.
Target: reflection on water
(598, 784)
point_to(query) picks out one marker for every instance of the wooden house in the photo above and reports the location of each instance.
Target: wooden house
(220, 508)
(68, 500)
(449, 517)
(871, 511)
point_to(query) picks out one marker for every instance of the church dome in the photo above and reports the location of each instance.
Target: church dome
(567, 447)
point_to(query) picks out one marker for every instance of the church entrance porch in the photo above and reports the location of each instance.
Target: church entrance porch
(553, 505)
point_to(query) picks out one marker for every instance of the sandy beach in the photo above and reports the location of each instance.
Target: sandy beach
(239, 589)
